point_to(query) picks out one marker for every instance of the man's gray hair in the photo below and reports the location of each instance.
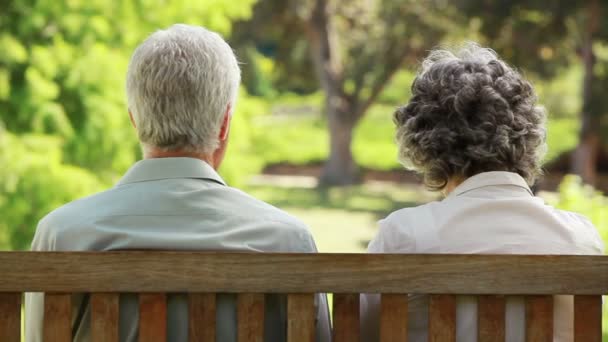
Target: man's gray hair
(470, 113)
(180, 82)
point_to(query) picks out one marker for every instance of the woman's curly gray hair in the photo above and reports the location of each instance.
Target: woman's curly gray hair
(470, 113)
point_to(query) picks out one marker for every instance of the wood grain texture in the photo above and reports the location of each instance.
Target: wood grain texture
(250, 317)
(442, 318)
(301, 317)
(57, 317)
(201, 317)
(156, 271)
(393, 317)
(152, 317)
(491, 318)
(104, 317)
(539, 318)
(587, 318)
(346, 317)
(10, 316)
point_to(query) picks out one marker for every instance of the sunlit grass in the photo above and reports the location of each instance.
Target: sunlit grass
(343, 219)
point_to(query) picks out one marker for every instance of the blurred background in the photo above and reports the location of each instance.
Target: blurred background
(313, 131)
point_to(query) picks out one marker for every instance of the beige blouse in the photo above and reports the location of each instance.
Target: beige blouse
(491, 213)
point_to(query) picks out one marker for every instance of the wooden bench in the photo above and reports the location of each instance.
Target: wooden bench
(153, 274)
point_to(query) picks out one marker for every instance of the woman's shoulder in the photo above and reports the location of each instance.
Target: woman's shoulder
(573, 218)
(399, 231)
(587, 234)
(414, 212)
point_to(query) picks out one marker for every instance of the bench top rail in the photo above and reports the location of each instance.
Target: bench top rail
(159, 271)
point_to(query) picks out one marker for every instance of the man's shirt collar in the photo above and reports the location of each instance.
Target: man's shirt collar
(170, 168)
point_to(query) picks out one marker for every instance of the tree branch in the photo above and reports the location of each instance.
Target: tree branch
(325, 48)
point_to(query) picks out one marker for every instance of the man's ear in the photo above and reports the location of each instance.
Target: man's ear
(225, 129)
(132, 120)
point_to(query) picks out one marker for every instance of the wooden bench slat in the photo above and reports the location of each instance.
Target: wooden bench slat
(155, 271)
(152, 317)
(104, 317)
(442, 318)
(346, 317)
(587, 318)
(10, 316)
(539, 318)
(393, 317)
(57, 317)
(201, 317)
(491, 318)
(301, 317)
(250, 320)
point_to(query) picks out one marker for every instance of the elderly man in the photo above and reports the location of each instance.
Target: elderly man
(182, 85)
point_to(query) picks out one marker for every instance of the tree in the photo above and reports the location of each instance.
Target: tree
(595, 106)
(355, 49)
(64, 128)
(31, 187)
(544, 37)
(63, 73)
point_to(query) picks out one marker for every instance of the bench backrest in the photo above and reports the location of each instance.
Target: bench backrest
(154, 274)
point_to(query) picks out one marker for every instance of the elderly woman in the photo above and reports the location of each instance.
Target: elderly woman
(474, 131)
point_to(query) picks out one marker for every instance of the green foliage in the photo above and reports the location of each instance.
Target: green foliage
(291, 130)
(257, 75)
(583, 199)
(532, 34)
(66, 132)
(368, 41)
(548, 38)
(398, 91)
(598, 106)
(241, 157)
(562, 136)
(560, 95)
(64, 71)
(302, 139)
(34, 181)
(374, 142)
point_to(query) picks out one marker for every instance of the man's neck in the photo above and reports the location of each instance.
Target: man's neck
(156, 153)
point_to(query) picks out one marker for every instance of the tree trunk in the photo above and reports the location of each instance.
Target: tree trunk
(340, 168)
(584, 158)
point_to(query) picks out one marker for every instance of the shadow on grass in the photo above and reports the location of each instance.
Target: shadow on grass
(342, 219)
(360, 198)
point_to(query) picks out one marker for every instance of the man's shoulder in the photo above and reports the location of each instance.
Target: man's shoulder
(245, 203)
(229, 212)
(273, 220)
(80, 209)
(64, 218)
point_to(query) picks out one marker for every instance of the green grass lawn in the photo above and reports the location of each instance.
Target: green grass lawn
(342, 219)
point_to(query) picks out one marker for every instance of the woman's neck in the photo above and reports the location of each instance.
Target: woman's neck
(452, 184)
